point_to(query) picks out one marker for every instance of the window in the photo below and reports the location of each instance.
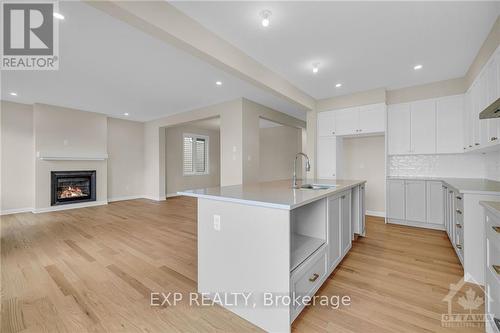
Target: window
(195, 154)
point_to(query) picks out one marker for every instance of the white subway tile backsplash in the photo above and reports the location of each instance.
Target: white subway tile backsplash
(455, 165)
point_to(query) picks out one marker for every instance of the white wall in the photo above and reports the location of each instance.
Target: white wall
(59, 131)
(17, 157)
(175, 179)
(278, 147)
(126, 159)
(364, 158)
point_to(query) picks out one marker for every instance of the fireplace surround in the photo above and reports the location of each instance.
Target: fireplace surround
(69, 187)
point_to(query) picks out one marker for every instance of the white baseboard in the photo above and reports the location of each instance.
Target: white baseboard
(154, 198)
(70, 206)
(170, 195)
(129, 197)
(16, 211)
(417, 224)
(375, 213)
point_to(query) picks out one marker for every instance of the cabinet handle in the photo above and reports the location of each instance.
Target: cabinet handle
(342, 197)
(470, 146)
(477, 144)
(333, 133)
(494, 138)
(450, 192)
(458, 197)
(459, 211)
(459, 225)
(497, 229)
(496, 268)
(314, 277)
(459, 246)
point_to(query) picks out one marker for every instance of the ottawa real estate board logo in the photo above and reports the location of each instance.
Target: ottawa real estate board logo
(30, 36)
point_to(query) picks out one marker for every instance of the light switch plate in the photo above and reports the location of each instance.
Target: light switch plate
(217, 222)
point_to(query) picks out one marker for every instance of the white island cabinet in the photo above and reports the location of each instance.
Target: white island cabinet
(272, 243)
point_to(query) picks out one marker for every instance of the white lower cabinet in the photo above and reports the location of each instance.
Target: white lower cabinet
(308, 276)
(435, 211)
(492, 272)
(345, 226)
(396, 199)
(334, 230)
(358, 210)
(415, 202)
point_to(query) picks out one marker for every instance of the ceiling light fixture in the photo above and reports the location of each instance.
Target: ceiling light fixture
(58, 16)
(219, 83)
(417, 67)
(265, 14)
(338, 85)
(13, 94)
(316, 67)
(126, 114)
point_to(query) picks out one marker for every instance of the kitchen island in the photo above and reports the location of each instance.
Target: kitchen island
(270, 243)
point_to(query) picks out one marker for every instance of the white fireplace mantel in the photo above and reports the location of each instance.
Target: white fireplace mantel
(52, 156)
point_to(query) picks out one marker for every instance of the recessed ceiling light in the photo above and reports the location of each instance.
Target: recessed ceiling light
(126, 114)
(13, 93)
(338, 85)
(266, 15)
(316, 67)
(58, 16)
(219, 83)
(417, 67)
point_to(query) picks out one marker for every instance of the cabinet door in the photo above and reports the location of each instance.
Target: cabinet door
(345, 211)
(327, 159)
(362, 210)
(492, 95)
(483, 103)
(467, 123)
(449, 125)
(445, 209)
(396, 199)
(326, 123)
(476, 138)
(347, 121)
(334, 231)
(435, 207)
(415, 200)
(423, 127)
(398, 131)
(372, 118)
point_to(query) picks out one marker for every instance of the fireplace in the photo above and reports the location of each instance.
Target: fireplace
(72, 187)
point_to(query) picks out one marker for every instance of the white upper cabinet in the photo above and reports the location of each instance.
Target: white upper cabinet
(468, 130)
(483, 103)
(398, 119)
(492, 94)
(423, 127)
(449, 125)
(347, 121)
(372, 118)
(327, 157)
(326, 123)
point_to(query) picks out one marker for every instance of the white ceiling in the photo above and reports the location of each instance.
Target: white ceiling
(109, 67)
(363, 45)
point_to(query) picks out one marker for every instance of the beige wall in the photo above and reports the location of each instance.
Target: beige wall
(238, 136)
(17, 157)
(427, 91)
(126, 159)
(361, 98)
(364, 158)
(176, 181)
(26, 129)
(278, 147)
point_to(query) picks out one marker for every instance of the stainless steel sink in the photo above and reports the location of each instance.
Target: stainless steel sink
(317, 186)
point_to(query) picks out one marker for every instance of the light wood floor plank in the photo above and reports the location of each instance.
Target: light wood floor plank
(93, 269)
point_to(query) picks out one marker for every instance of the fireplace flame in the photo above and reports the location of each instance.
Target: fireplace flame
(71, 192)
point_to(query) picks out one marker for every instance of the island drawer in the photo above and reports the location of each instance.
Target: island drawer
(307, 278)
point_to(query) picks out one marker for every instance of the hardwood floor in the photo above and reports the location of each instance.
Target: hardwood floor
(93, 269)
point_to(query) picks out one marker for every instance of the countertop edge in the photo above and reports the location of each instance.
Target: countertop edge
(449, 182)
(270, 204)
(488, 206)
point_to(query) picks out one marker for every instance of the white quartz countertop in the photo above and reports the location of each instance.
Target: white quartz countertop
(492, 206)
(274, 194)
(463, 185)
